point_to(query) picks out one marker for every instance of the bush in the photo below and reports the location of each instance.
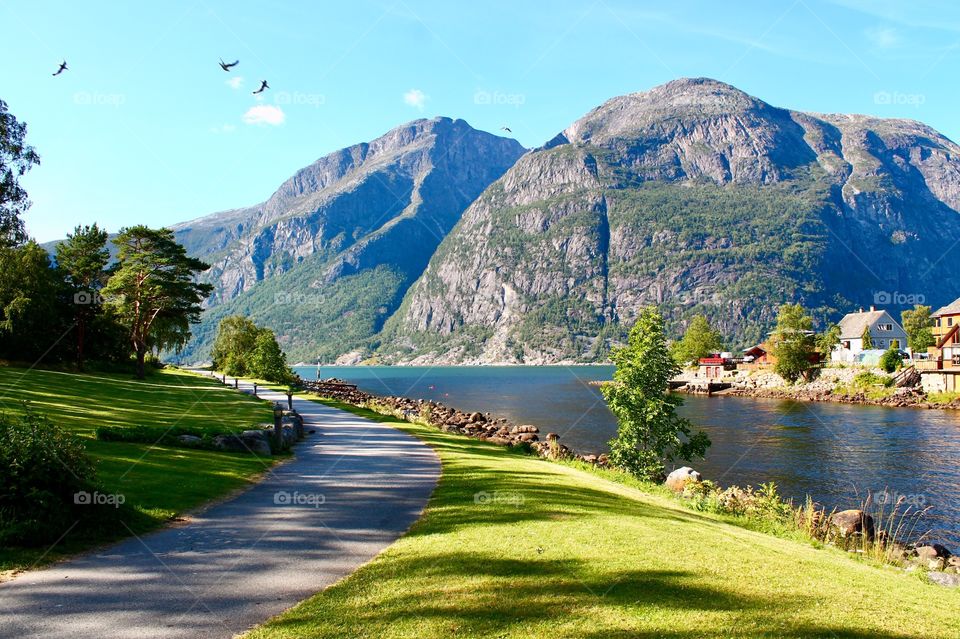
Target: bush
(42, 469)
(866, 379)
(891, 360)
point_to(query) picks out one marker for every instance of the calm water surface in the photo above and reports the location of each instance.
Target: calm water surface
(833, 452)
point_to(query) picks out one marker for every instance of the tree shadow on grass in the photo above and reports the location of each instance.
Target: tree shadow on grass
(480, 594)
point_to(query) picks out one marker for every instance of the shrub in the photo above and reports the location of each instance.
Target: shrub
(42, 469)
(866, 379)
(891, 360)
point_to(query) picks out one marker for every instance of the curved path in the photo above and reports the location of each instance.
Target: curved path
(247, 559)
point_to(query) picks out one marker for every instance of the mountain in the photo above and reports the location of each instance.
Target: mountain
(328, 257)
(699, 198)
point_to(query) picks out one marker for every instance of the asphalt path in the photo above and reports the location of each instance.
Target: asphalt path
(352, 488)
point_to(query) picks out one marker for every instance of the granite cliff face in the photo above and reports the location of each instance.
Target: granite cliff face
(697, 197)
(327, 258)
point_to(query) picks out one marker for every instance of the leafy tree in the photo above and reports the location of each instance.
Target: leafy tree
(700, 340)
(154, 291)
(866, 338)
(32, 304)
(917, 323)
(828, 339)
(267, 360)
(649, 431)
(892, 359)
(236, 339)
(793, 342)
(16, 158)
(83, 258)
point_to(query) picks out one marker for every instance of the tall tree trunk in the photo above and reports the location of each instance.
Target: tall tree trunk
(141, 349)
(81, 331)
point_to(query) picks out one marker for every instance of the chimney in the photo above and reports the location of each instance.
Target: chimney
(861, 310)
(872, 308)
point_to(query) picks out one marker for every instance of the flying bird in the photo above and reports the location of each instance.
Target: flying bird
(63, 67)
(227, 66)
(506, 128)
(263, 85)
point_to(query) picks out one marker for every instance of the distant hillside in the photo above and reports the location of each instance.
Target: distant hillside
(699, 198)
(328, 257)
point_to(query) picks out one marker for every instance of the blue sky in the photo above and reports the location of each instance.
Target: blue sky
(144, 127)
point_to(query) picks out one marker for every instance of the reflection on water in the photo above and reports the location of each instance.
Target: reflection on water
(834, 452)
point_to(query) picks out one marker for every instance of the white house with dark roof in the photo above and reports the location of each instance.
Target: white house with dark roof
(884, 333)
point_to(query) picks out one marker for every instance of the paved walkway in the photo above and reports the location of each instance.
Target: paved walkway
(247, 559)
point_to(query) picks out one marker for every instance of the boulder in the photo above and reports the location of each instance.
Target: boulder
(499, 441)
(944, 579)
(256, 434)
(189, 440)
(678, 479)
(852, 522)
(931, 552)
(230, 444)
(258, 446)
(529, 437)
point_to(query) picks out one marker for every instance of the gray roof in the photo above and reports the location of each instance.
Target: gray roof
(852, 324)
(950, 309)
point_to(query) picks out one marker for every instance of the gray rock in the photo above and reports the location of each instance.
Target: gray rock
(851, 522)
(190, 440)
(944, 579)
(679, 478)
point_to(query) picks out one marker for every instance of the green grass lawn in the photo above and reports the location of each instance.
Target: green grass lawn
(514, 546)
(159, 482)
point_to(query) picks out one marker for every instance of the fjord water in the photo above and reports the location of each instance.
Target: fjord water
(835, 453)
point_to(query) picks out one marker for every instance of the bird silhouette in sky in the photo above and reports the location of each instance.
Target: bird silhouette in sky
(226, 66)
(506, 128)
(63, 67)
(263, 86)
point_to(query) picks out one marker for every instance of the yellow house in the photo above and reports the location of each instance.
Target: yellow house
(942, 371)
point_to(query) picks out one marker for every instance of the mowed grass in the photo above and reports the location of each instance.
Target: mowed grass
(157, 482)
(514, 546)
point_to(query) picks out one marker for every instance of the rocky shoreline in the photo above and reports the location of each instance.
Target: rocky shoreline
(482, 426)
(903, 398)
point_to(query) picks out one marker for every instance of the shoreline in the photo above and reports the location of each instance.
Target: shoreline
(910, 399)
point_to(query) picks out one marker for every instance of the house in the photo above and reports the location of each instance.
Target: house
(715, 365)
(885, 332)
(941, 373)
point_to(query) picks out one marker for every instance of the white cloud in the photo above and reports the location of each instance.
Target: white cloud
(883, 37)
(264, 114)
(223, 128)
(416, 98)
(235, 82)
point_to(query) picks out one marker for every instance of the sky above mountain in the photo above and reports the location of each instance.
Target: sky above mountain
(146, 127)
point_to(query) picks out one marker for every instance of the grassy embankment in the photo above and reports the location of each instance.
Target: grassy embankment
(158, 482)
(515, 546)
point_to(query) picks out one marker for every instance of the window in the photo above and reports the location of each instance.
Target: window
(885, 327)
(938, 322)
(880, 343)
(949, 321)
